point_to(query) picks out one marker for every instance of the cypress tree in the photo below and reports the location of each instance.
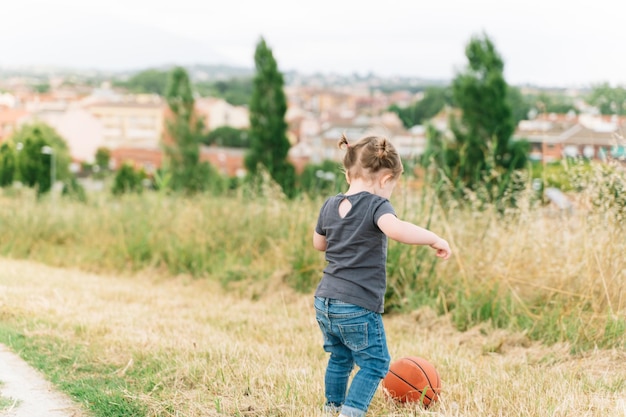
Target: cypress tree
(269, 145)
(482, 151)
(185, 134)
(7, 165)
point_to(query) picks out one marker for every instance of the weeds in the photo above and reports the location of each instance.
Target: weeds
(530, 268)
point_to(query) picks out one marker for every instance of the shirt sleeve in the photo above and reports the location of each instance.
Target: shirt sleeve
(384, 207)
(319, 227)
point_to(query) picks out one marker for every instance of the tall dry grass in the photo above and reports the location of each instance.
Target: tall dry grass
(168, 306)
(557, 276)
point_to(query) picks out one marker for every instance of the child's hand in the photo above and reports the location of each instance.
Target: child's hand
(442, 247)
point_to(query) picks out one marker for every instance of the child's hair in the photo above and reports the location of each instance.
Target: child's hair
(370, 155)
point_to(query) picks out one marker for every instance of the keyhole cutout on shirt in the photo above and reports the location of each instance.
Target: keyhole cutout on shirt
(344, 207)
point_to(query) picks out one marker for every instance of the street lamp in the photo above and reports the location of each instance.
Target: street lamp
(48, 150)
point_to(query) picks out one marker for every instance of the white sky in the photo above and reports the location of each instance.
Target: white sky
(544, 42)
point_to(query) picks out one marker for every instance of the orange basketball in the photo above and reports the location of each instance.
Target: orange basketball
(413, 379)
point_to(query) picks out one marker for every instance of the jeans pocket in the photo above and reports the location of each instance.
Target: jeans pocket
(354, 335)
(324, 330)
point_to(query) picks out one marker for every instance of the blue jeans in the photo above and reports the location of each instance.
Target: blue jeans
(352, 335)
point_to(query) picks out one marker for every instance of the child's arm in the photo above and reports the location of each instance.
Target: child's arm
(319, 241)
(411, 234)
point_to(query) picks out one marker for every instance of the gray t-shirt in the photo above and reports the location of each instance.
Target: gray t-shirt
(356, 250)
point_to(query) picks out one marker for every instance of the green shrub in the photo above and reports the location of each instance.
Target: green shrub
(128, 180)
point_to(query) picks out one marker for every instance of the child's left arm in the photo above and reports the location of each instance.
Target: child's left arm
(405, 232)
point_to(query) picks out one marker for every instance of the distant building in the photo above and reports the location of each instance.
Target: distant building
(7, 101)
(132, 123)
(216, 112)
(322, 146)
(555, 136)
(147, 159)
(10, 120)
(82, 131)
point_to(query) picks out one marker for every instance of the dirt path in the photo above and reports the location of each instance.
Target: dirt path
(30, 394)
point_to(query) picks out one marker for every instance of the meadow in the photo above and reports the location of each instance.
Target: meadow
(157, 305)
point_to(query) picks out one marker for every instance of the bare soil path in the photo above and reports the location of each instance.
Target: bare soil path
(29, 393)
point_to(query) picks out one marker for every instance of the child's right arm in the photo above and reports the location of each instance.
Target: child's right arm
(412, 234)
(319, 241)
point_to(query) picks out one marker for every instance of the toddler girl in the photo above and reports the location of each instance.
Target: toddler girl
(352, 229)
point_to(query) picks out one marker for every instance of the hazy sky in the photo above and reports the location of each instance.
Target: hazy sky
(544, 42)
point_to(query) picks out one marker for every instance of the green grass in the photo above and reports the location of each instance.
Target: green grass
(6, 402)
(76, 371)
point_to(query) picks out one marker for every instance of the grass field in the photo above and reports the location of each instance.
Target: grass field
(141, 346)
(163, 306)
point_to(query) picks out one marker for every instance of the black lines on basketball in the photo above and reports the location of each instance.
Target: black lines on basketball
(430, 384)
(409, 383)
(410, 379)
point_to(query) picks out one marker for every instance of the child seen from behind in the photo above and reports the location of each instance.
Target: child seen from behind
(352, 229)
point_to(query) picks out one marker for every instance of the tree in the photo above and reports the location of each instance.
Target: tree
(608, 100)
(321, 179)
(551, 102)
(269, 145)
(184, 129)
(102, 158)
(7, 165)
(148, 81)
(520, 105)
(228, 136)
(128, 180)
(482, 151)
(42, 88)
(236, 91)
(435, 98)
(34, 164)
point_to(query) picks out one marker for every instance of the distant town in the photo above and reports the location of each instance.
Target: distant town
(91, 109)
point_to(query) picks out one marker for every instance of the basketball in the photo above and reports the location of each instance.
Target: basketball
(413, 379)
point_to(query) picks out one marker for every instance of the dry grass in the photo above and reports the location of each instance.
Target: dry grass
(560, 275)
(221, 354)
(544, 252)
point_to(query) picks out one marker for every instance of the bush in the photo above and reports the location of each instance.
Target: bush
(229, 137)
(326, 178)
(128, 180)
(73, 189)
